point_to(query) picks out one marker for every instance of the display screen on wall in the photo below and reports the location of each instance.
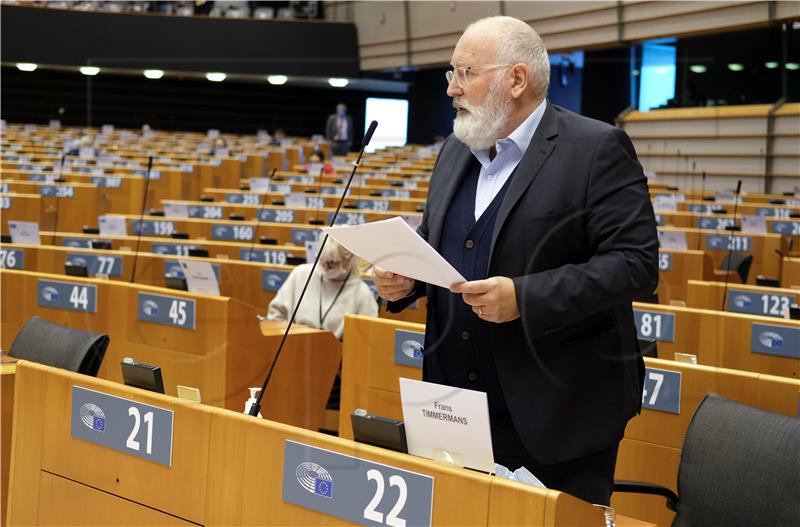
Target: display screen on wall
(657, 85)
(392, 117)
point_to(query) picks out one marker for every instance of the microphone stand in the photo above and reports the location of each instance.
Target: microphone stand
(256, 407)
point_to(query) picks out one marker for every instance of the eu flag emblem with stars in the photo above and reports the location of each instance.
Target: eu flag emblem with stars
(323, 487)
(99, 424)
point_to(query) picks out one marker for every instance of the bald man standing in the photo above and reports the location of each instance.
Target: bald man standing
(547, 215)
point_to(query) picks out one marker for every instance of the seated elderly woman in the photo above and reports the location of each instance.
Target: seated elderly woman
(335, 290)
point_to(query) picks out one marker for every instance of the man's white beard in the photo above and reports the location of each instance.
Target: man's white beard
(482, 126)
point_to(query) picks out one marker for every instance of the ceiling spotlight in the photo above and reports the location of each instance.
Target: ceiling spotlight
(793, 66)
(216, 77)
(735, 66)
(26, 66)
(337, 82)
(277, 80)
(698, 68)
(636, 73)
(771, 65)
(153, 74)
(90, 70)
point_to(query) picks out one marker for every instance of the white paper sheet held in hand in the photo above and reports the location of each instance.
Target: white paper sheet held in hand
(396, 247)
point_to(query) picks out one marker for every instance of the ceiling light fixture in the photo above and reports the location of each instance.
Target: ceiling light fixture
(735, 66)
(277, 80)
(216, 77)
(90, 70)
(26, 66)
(153, 74)
(338, 82)
(698, 68)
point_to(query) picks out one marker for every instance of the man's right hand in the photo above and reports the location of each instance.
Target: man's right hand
(391, 286)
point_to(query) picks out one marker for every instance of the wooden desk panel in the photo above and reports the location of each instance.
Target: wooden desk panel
(21, 207)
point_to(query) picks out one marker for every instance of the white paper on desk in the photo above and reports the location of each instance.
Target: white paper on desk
(200, 277)
(176, 210)
(754, 224)
(675, 240)
(396, 247)
(24, 232)
(112, 225)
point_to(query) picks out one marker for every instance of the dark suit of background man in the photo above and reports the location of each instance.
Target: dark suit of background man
(339, 130)
(546, 213)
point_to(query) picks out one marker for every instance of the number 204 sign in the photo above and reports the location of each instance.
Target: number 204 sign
(355, 489)
(123, 425)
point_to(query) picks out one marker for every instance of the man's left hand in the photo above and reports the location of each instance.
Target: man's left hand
(493, 299)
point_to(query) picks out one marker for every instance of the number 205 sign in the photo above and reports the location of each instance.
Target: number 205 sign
(123, 425)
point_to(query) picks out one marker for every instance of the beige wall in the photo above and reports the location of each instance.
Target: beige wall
(396, 34)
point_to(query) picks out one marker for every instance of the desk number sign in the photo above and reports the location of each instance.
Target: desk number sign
(654, 325)
(123, 425)
(354, 489)
(175, 311)
(72, 296)
(662, 390)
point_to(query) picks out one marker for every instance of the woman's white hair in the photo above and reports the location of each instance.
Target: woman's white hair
(517, 42)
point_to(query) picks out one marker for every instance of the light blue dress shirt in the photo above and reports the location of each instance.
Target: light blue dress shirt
(495, 172)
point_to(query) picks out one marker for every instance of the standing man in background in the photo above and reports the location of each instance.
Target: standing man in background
(339, 130)
(547, 215)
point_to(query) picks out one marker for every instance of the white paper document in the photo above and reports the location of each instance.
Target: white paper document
(447, 424)
(200, 277)
(112, 225)
(176, 210)
(24, 232)
(754, 224)
(675, 240)
(396, 247)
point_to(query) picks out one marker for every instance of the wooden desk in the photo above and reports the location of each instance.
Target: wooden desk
(8, 370)
(226, 470)
(768, 300)
(76, 208)
(18, 206)
(223, 355)
(790, 275)
(653, 440)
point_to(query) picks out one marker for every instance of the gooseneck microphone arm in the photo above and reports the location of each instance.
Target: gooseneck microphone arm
(58, 197)
(730, 246)
(141, 217)
(256, 407)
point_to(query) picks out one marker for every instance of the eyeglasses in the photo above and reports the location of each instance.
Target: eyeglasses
(466, 74)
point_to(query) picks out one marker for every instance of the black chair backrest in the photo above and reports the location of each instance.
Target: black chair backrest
(56, 345)
(738, 262)
(740, 466)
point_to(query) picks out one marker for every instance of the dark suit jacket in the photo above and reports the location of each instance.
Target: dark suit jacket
(577, 234)
(331, 129)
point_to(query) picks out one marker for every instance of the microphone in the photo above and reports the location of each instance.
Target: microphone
(730, 244)
(141, 217)
(58, 197)
(256, 407)
(258, 216)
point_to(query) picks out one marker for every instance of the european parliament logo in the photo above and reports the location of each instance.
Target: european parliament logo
(50, 294)
(79, 261)
(150, 308)
(717, 242)
(220, 231)
(771, 340)
(412, 349)
(315, 479)
(93, 417)
(742, 302)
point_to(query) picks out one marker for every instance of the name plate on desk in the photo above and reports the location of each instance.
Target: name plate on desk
(173, 268)
(177, 249)
(757, 303)
(96, 264)
(654, 325)
(107, 182)
(662, 390)
(409, 347)
(272, 280)
(786, 228)
(153, 227)
(174, 311)
(770, 339)
(12, 259)
(123, 425)
(67, 295)
(716, 224)
(772, 212)
(232, 232)
(276, 215)
(724, 242)
(354, 489)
